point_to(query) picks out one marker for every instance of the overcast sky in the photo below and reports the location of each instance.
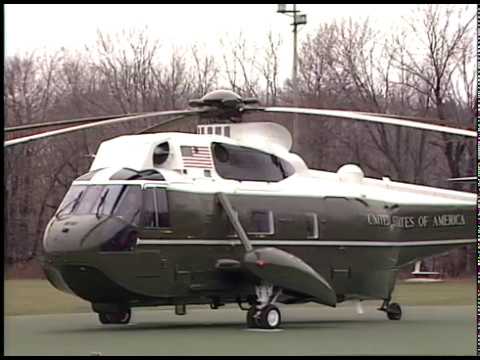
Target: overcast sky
(51, 26)
(36, 26)
(72, 26)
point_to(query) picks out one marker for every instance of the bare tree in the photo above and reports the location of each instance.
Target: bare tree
(204, 72)
(173, 82)
(241, 66)
(29, 97)
(29, 87)
(270, 69)
(126, 64)
(446, 34)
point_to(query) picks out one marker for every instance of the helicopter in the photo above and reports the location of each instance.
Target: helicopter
(231, 215)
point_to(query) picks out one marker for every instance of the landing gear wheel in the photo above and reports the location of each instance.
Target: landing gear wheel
(251, 320)
(394, 311)
(115, 318)
(270, 317)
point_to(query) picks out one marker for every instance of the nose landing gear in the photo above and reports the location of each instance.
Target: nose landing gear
(264, 315)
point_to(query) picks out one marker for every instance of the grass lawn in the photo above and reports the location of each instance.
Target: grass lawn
(28, 297)
(453, 292)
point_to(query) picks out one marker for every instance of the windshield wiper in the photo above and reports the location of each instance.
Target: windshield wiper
(119, 196)
(102, 200)
(74, 201)
(276, 161)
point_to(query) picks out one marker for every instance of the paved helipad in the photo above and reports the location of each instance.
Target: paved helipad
(306, 330)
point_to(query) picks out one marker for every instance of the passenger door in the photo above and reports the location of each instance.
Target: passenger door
(154, 266)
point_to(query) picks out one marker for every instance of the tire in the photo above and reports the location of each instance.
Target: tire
(394, 311)
(116, 317)
(251, 320)
(104, 318)
(270, 317)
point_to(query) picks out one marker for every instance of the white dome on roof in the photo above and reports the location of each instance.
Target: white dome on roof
(350, 173)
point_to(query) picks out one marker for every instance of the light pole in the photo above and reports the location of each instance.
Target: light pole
(298, 19)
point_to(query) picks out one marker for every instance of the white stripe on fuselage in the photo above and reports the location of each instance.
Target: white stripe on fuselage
(305, 242)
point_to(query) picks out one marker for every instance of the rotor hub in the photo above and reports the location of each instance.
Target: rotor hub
(223, 104)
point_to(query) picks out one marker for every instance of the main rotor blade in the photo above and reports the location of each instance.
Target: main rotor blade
(163, 123)
(463, 179)
(52, 133)
(373, 118)
(66, 122)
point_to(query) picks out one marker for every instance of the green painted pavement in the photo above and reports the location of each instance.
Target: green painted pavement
(307, 330)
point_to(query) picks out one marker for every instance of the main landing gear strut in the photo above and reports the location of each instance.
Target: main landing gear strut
(264, 314)
(393, 310)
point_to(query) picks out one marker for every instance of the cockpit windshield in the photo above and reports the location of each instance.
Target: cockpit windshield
(119, 200)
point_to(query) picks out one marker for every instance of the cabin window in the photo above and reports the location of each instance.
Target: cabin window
(160, 153)
(261, 222)
(218, 130)
(246, 164)
(209, 131)
(156, 208)
(312, 226)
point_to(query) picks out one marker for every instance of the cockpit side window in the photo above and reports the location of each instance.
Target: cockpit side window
(246, 164)
(129, 204)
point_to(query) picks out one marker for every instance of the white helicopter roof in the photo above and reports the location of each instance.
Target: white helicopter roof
(136, 151)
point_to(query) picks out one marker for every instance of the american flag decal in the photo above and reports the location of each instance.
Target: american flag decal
(196, 156)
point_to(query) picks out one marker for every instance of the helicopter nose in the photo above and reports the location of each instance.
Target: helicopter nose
(87, 232)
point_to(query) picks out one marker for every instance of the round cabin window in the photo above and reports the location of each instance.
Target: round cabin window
(160, 154)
